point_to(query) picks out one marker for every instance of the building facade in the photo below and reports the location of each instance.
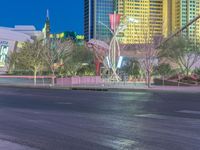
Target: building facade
(12, 38)
(182, 12)
(149, 16)
(88, 19)
(96, 19)
(77, 38)
(154, 18)
(158, 18)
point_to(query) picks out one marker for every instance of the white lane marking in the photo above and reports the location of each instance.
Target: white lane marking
(161, 117)
(64, 103)
(152, 116)
(166, 117)
(189, 112)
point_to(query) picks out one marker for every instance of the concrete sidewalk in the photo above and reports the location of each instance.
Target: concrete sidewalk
(190, 89)
(109, 87)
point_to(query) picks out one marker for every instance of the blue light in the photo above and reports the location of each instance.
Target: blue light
(120, 62)
(108, 62)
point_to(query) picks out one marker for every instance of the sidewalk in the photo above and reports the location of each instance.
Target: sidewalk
(190, 89)
(109, 87)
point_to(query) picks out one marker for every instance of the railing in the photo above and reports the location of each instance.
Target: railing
(25, 80)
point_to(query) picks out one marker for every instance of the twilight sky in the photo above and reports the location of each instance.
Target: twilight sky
(65, 15)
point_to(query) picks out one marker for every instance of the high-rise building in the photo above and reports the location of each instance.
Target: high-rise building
(180, 13)
(96, 18)
(148, 14)
(177, 14)
(154, 18)
(88, 19)
(158, 18)
(167, 16)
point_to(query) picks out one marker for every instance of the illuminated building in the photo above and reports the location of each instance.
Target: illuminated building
(149, 16)
(180, 13)
(78, 39)
(46, 30)
(64, 35)
(96, 13)
(158, 18)
(154, 18)
(12, 38)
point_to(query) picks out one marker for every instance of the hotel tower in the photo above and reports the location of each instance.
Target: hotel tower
(154, 18)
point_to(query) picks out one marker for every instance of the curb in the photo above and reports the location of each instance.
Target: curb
(101, 89)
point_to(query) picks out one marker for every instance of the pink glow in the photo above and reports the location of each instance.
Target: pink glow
(79, 80)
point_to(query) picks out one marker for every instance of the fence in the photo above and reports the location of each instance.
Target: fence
(25, 80)
(71, 81)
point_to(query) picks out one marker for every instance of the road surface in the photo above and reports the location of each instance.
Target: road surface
(39, 119)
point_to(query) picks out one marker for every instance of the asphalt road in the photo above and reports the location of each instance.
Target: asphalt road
(32, 119)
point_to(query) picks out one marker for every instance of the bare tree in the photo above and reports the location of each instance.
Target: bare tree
(148, 48)
(55, 51)
(148, 61)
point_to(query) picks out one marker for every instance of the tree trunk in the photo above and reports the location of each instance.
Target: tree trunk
(53, 78)
(163, 80)
(178, 80)
(148, 79)
(35, 77)
(187, 71)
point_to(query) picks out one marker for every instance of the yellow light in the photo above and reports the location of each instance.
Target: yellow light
(62, 35)
(80, 37)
